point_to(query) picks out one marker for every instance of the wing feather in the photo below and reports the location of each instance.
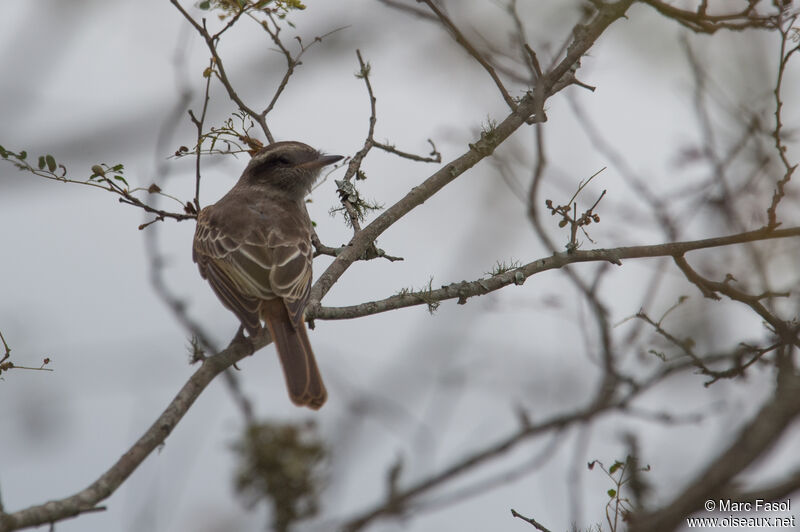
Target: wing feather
(255, 260)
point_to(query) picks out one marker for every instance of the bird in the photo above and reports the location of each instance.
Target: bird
(253, 246)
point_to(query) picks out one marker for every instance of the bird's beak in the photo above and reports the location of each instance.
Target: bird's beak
(319, 162)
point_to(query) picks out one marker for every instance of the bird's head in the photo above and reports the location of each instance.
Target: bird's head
(289, 166)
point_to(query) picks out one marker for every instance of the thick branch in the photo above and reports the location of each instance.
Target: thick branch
(584, 37)
(464, 289)
(754, 439)
(87, 499)
(768, 492)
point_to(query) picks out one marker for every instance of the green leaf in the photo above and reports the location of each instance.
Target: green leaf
(51, 162)
(41, 162)
(612, 493)
(204, 5)
(120, 178)
(97, 171)
(3, 153)
(22, 155)
(614, 467)
(117, 168)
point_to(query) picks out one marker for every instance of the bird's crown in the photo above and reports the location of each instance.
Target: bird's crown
(282, 154)
(290, 166)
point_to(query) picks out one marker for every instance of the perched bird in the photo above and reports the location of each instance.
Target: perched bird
(254, 248)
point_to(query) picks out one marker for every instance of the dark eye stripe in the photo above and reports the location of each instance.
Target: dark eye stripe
(271, 162)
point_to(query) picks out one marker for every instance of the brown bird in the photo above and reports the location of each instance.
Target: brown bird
(254, 248)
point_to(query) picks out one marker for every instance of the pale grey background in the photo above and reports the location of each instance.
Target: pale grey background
(94, 81)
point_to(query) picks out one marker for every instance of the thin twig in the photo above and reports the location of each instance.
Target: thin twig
(481, 149)
(701, 22)
(5, 346)
(435, 156)
(754, 439)
(198, 122)
(530, 520)
(784, 28)
(466, 45)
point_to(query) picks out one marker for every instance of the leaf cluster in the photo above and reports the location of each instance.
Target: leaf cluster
(623, 474)
(279, 464)
(235, 135)
(230, 8)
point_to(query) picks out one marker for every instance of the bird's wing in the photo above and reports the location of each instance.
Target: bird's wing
(287, 249)
(211, 250)
(258, 256)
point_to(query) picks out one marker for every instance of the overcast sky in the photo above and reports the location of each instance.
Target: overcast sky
(92, 81)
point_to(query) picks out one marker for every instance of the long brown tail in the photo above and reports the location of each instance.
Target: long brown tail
(303, 379)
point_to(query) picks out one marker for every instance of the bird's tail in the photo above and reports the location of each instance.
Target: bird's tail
(303, 379)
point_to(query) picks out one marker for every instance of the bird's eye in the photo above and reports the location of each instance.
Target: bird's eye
(283, 160)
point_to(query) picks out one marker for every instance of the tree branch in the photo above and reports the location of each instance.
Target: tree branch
(466, 45)
(701, 22)
(755, 438)
(464, 290)
(400, 500)
(584, 38)
(87, 499)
